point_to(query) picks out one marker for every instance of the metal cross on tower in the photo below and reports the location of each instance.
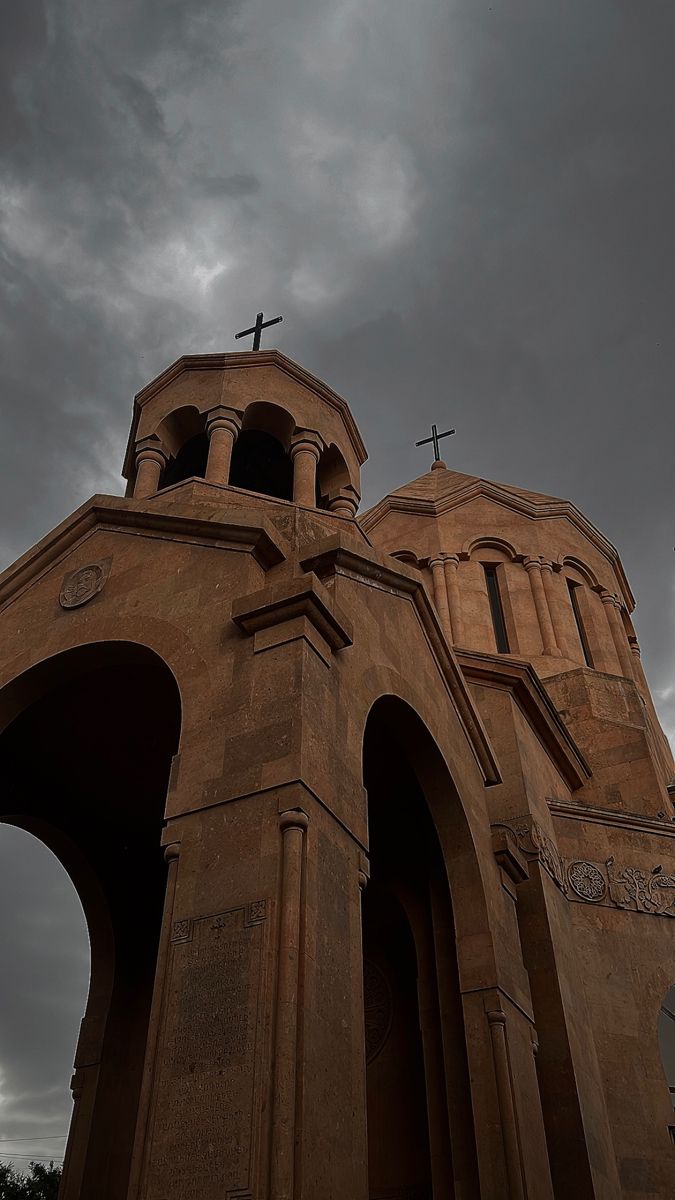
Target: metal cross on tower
(435, 438)
(257, 329)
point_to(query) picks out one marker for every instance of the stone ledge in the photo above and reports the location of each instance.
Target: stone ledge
(284, 601)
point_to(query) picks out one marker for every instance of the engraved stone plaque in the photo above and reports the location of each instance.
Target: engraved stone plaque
(82, 585)
(203, 1130)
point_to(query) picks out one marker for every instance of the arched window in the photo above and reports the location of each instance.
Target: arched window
(183, 433)
(190, 461)
(260, 459)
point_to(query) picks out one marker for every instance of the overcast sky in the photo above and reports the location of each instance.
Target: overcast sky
(464, 211)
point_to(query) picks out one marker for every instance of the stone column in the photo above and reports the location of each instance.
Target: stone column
(344, 503)
(533, 566)
(223, 426)
(612, 608)
(151, 460)
(293, 829)
(454, 598)
(547, 578)
(441, 596)
(507, 1112)
(305, 451)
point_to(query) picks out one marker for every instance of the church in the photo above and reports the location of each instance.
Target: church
(370, 815)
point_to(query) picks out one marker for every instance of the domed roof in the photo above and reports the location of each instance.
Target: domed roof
(440, 483)
(440, 490)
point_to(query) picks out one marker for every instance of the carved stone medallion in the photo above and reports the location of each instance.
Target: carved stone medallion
(378, 1008)
(82, 585)
(586, 880)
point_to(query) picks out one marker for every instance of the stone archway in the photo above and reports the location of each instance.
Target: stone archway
(421, 1140)
(85, 754)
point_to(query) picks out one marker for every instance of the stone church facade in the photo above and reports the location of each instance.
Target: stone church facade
(412, 924)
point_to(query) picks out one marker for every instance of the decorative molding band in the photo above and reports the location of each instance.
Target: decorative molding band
(537, 846)
(618, 818)
(299, 597)
(583, 881)
(629, 888)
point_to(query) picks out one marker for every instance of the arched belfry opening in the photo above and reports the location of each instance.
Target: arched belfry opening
(420, 1125)
(261, 460)
(184, 434)
(85, 753)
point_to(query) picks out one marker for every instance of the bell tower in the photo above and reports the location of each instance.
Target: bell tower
(257, 422)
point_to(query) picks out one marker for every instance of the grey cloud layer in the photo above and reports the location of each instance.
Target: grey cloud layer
(463, 210)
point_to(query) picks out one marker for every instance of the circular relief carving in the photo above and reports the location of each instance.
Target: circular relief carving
(378, 1008)
(82, 585)
(586, 880)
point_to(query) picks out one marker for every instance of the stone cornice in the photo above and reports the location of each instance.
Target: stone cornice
(237, 361)
(334, 556)
(536, 510)
(291, 598)
(522, 681)
(619, 819)
(245, 532)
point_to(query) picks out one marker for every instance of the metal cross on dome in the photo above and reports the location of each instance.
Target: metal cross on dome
(435, 438)
(257, 329)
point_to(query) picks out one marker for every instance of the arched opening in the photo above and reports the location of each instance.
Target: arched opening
(183, 433)
(420, 1126)
(261, 461)
(85, 756)
(45, 978)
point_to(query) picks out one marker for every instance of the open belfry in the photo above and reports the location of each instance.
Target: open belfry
(369, 815)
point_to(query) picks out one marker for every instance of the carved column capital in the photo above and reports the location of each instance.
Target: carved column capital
(306, 441)
(609, 598)
(222, 417)
(171, 852)
(532, 563)
(294, 818)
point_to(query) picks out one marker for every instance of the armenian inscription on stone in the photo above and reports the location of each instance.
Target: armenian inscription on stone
(203, 1124)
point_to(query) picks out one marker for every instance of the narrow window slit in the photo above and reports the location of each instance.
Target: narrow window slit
(574, 600)
(496, 609)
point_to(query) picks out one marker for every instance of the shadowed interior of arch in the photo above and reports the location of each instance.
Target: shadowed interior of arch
(420, 1125)
(85, 767)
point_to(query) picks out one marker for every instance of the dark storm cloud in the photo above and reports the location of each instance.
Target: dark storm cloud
(463, 210)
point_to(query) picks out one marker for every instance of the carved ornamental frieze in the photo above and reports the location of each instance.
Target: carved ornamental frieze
(627, 887)
(606, 883)
(537, 845)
